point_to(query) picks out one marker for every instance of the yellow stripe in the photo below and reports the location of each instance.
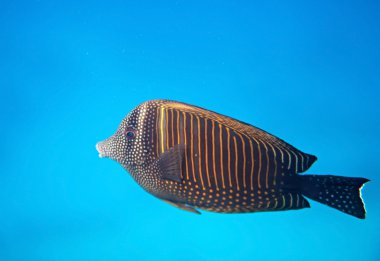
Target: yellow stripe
(213, 154)
(302, 162)
(172, 123)
(283, 202)
(206, 154)
(236, 164)
(229, 157)
(178, 135)
(282, 154)
(167, 129)
(275, 203)
(252, 162)
(291, 201)
(275, 164)
(192, 147)
(185, 141)
(157, 143)
(178, 129)
(259, 171)
(200, 152)
(244, 160)
(162, 117)
(267, 169)
(290, 158)
(221, 154)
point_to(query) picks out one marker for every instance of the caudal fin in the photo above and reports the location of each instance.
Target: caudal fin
(342, 193)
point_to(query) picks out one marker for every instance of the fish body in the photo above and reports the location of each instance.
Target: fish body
(194, 158)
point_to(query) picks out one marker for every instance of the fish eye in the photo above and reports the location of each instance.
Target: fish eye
(130, 133)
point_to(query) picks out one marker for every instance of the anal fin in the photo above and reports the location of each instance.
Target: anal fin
(182, 206)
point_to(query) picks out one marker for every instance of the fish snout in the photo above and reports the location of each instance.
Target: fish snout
(102, 149)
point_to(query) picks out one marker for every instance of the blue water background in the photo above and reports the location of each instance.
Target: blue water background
(306, 71)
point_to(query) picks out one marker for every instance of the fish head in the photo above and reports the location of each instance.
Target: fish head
(126, 145)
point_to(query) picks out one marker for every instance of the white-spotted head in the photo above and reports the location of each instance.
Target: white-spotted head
(130, 144)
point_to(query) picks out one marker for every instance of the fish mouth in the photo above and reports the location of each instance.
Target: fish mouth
(100, 149)
(105, 148)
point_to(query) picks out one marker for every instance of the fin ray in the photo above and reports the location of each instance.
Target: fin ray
(341, 193)
(170, 163)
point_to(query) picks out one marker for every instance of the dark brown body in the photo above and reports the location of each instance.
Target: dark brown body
(192, 157)
(228, 166)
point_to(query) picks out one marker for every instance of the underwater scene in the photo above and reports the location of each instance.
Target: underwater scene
(189, 130)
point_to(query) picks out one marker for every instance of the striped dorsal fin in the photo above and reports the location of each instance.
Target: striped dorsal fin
(295, 160)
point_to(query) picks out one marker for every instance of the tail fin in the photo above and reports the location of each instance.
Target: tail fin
(342, 193)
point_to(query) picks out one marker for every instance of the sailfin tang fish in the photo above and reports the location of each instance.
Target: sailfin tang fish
(194, 158)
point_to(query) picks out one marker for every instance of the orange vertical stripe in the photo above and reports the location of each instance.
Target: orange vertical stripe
(236, 165)
(244, 160)
(221, 154)
(167, 128)
(192, 147)
(252, 162)
(213, 154)
(229, 157)
(206, 154)
(199, 152)
(172, 123)
(259, 171)
(185, 141)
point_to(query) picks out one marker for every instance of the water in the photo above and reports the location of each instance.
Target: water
(70, 71)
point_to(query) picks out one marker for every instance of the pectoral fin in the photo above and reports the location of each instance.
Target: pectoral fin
(170, 163)
(182, 206)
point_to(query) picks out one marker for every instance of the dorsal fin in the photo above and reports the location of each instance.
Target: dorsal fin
(295, 160)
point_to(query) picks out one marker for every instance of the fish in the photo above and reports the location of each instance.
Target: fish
(196, 159)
